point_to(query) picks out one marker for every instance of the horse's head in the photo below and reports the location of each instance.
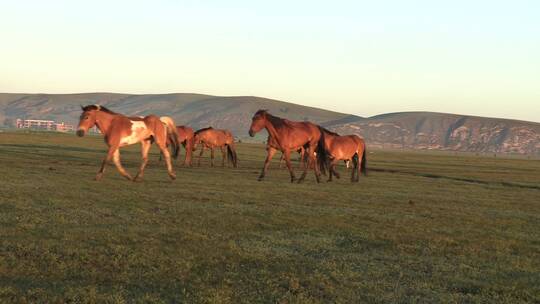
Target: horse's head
(87, 119)
(257, 122)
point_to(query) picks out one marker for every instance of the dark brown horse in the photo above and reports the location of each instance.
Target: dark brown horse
(120, 131)
(345, 148)
(215, 138)
(290, 136)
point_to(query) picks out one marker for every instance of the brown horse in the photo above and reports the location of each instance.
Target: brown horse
(290, 136)
(120, 131)
(186, 137)
(345, 148)
(271, 142)
(215, 138)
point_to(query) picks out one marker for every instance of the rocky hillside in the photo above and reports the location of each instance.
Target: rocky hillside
(411, 130)
(427, 130)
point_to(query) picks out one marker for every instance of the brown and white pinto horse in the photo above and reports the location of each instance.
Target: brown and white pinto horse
(216, 138)
(120, 131)
(345, 148)
(290, 136)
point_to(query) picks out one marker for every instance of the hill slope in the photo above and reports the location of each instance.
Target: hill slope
(411, 130)
(196, 110)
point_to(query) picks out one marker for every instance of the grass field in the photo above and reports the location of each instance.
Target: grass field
(421, 228)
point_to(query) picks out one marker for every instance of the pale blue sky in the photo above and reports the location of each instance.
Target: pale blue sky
(361, 57)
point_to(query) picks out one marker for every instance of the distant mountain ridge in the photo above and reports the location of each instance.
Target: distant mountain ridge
(411, 130)
(441, 131)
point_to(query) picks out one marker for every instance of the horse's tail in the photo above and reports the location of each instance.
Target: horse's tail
(363, 167)
(172, 134)
(231, 152)
(322, 155)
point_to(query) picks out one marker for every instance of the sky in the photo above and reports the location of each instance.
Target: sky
(361, 57)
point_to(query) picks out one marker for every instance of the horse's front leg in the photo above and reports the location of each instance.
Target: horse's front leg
(189, 153)
(107, 159)
(281, 159)
(271, 152)
(332, 169)
(200, 155)
(211, 157)
(224, 156)
(116, 159)
(311, 161)
(145, 147)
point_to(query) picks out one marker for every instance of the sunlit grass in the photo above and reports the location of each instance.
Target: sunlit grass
(416, 234)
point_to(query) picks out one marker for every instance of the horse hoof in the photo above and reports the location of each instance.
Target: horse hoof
(172, 176)
(260, 178)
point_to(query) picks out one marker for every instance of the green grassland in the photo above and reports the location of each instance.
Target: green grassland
(421, 228)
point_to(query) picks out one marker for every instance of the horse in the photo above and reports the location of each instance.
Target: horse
(172, 135)
(349, 147)
(121, 131)
(291, 136)
(216, 138)
(271, 142)
(184, 135)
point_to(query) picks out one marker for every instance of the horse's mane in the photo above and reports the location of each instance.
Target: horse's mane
(203, 129)
(97, 108)
(329, 132)
(275, 120)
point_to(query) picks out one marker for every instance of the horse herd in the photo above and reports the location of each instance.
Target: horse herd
(322, 148)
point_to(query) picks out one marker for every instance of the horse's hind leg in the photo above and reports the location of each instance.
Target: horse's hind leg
(145, 147)
(167, 156)
(355, 167)
(211, 157)
(116, 159)
(271, 152)
(287, 156)
(358, 166)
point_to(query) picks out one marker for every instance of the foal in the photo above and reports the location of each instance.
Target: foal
(120, 131)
